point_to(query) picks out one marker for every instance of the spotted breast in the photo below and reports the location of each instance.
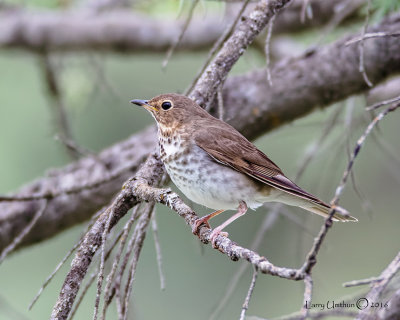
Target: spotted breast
(203, 180)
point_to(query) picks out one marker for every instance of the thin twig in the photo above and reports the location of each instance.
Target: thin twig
(249, 294)
(267, 224)
(306, 11)
(217, 45)
(345, 9)
(220, 99)
(272, 216)
(361, 282)
(372, 35)
(157, 245)
(181, 34)
(54, 194)
(382, 103)
(311, 257)
(93, 276)
(365, 204)
(357, 149)
(98, 66)
(73, 146)
(378, 287)
(152, 171)
(361, 66)
(17, 240)
(142, 224)
(102, 263)
(61, 263)
(267, 50)
(317, 315)
(308, 287)
(56, 100)
(110, 277)
(116, 285)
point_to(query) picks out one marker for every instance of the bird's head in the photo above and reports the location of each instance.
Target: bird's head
(172, 110)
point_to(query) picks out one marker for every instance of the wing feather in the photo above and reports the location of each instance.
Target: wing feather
(227, 146)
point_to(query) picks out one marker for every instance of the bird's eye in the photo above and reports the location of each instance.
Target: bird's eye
(166, 105)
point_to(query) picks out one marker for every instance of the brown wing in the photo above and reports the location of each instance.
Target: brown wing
(227, 146)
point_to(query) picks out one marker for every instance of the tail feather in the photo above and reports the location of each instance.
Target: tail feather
(340, 214)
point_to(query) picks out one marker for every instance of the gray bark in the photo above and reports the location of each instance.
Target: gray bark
(314, 80)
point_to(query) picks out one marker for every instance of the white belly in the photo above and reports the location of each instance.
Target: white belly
(208, 183)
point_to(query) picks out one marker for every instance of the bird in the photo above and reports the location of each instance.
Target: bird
(214, 165)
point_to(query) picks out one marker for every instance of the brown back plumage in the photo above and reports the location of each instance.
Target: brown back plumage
(225, 145)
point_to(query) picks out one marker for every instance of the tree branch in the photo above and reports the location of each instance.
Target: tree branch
(317, 79)
(123, 31)
(118, 31)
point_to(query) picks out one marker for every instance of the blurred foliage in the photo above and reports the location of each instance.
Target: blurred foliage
(380, 8)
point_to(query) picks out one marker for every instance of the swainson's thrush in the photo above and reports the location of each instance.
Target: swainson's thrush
(215, 166)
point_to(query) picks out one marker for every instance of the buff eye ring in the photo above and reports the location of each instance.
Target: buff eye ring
(166, 105)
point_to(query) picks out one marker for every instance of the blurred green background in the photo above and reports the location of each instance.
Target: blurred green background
(196, 276)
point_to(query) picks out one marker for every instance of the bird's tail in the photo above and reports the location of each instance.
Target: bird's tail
(339, 215)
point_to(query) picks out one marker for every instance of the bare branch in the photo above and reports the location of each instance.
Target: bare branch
(372, 36)
(361, 66)
(124, 31)
(179, 39)
(217, 45)
(317, 79)
(140, 233)
(323, 12)
(267, 49)
(63, 260)
(383, 103)
(308, 287)
(110, 276)
(119, 31)
(361, 282)
(249, 294)
(378, 288)
(152, 173)
(157, 245)
(267, 224)
(51, 76)
(17, 240)
(311, 257)
(234, 47)
(318, 315)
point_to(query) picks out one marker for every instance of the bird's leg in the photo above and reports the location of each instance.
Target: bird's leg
(199, 221)
(242, 209)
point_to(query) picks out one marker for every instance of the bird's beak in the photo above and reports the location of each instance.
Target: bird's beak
(143, 103)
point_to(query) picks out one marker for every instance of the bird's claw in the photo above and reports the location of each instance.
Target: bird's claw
(214, 235)
(197, 223)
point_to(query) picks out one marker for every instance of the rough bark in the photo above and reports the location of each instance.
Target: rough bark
(118, 31)
(123, 31)
(152, 171)
(317, 79)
